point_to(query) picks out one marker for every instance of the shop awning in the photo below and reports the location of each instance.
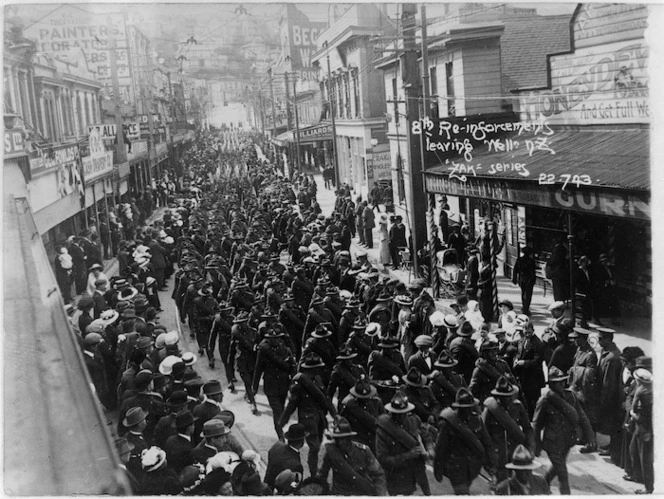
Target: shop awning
(614, 159)
(283, 139)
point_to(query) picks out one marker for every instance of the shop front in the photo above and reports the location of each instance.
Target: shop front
(316, 146)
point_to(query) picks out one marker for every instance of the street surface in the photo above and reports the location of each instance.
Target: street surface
(589, 473)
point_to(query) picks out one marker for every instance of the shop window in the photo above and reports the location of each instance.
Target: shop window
(449, 75)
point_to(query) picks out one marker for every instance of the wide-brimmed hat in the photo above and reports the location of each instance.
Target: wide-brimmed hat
(109, 316)
(399, 404)
(437, 319)
(166, 365)
(605, 330)
(345, 353)
(363, 389)
(141, 303)
(171, 338)
(414, 377)
(384, 296)
(523, 459)
(342, 429)
(504, 388)
(321, 331)
(127, 294)
(556, 374)
(466, 329)
(142, 379)
(274, 332)
(488, 345)
(85, 303)
(464, 398)
(212, 387)
(214, 428)
(360, 323)
(189, 358)
(450, 321)
(95, 266)
(352, 303)
(311, 360)
(152, 459)
(403, 300)
(134, 416)
(184, 418)
(296, 431)
(243, 316)
(423, 340)
(143, 342)
(445, 359)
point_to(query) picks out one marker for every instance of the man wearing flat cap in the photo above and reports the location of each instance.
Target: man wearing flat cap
(355, 470)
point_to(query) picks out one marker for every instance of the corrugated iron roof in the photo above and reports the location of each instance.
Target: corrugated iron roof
(617, 159)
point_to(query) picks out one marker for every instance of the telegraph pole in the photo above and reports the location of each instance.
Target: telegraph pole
(297, 124)
(410, 74)
(334, 126)
(274, 112)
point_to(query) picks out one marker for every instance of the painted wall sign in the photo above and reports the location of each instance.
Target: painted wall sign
(69, 29)
(298, 39)
(107, 130)
(614, 204)
(595, 24)
(100, 161)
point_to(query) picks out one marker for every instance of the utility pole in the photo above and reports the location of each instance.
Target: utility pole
(262, 108)
(425, 64)
(410, 74)
(274, 112)
(289, 117)
(332, 110)
(297, 124)
(120, 148)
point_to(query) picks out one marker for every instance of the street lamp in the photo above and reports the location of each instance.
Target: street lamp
(332, 107)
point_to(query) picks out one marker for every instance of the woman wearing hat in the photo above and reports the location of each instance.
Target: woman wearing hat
(355, 470)
(158, 479)
(558, 416)
(641, 447)
(463, 446)
(400, 447)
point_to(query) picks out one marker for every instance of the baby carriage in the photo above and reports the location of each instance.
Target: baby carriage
(451, 277)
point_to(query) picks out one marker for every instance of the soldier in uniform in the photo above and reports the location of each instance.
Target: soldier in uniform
(558, 414)
(421, 396)
(190, 295)
(221, 330)
(522, 482)
(348, 317)
(241, 297)
(583, 378)
(204, 314)
(317, 315)
(345, 375)
(361, 407)
(307, 395)
(302, 288)
(292, 318)
(463, 445)
(277, 363)
(528, 367)
(355, 470)
(360, 341)
(382, 312)
(610, 372)
(488, 369)
(243, 343)
(463, 351)
(320, 344)
(400, 449)
(445, 382)
(386, 364)
(507, 423)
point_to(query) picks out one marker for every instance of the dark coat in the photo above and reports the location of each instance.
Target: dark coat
(178, 452)
(530, 374)
(444, 386)
(464, 352)
(280, 457)
(611, 394)
(161, 482)
(355, 473)
(275, 362)
(418, 360)
(485, 376)
(159, 255)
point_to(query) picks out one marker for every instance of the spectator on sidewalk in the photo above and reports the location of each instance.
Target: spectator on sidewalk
(524, 274)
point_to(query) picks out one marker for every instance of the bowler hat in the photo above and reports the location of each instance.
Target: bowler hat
(214, 428)
(92, 339)
(184, 418)
(399, 404)
(134, 416)
(504, 388)
(144, 342)
(178, 398)
(85, 303)
(388, 342)
(296, 431)
(142, 379)
(523, 459)
(464, 399)
(212, 387)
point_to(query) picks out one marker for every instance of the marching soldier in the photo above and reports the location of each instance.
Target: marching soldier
(276, 361)
(400, 448)
(523, 482)
(445, 382)
(320, 344)
(307, 395)
(583, 378)
(243, 344)
(360, 341)
(463, 445)
(292, 318)
(361, 407)
(221, 330)
(558, 414)
(417, 391)
(488, 369)
(345, 375)
(355, 470)
(507, 423)
(204, 315)
(385, 365)
(348, 317)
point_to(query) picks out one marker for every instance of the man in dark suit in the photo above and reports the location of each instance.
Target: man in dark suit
(213, 395)
(524, 274)
(216, 438)
(98, 297)
(285, 456)
(158, 260)
(178, 447)
(528, 367)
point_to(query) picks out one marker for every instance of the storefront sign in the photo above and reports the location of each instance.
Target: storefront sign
(14, 142)
(382, 164)
(107, 131)
(162, 148)
(318, 132)
(100, 161)
(139, 148)
(616, 204)
(54, 158)
(521, 225)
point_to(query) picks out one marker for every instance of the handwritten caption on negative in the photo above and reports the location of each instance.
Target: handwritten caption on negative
(463, 139)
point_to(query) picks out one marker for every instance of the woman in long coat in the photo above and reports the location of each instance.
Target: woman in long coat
(485, 285)
(384, 239)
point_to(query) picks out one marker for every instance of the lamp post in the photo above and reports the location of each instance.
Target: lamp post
(334, 126)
